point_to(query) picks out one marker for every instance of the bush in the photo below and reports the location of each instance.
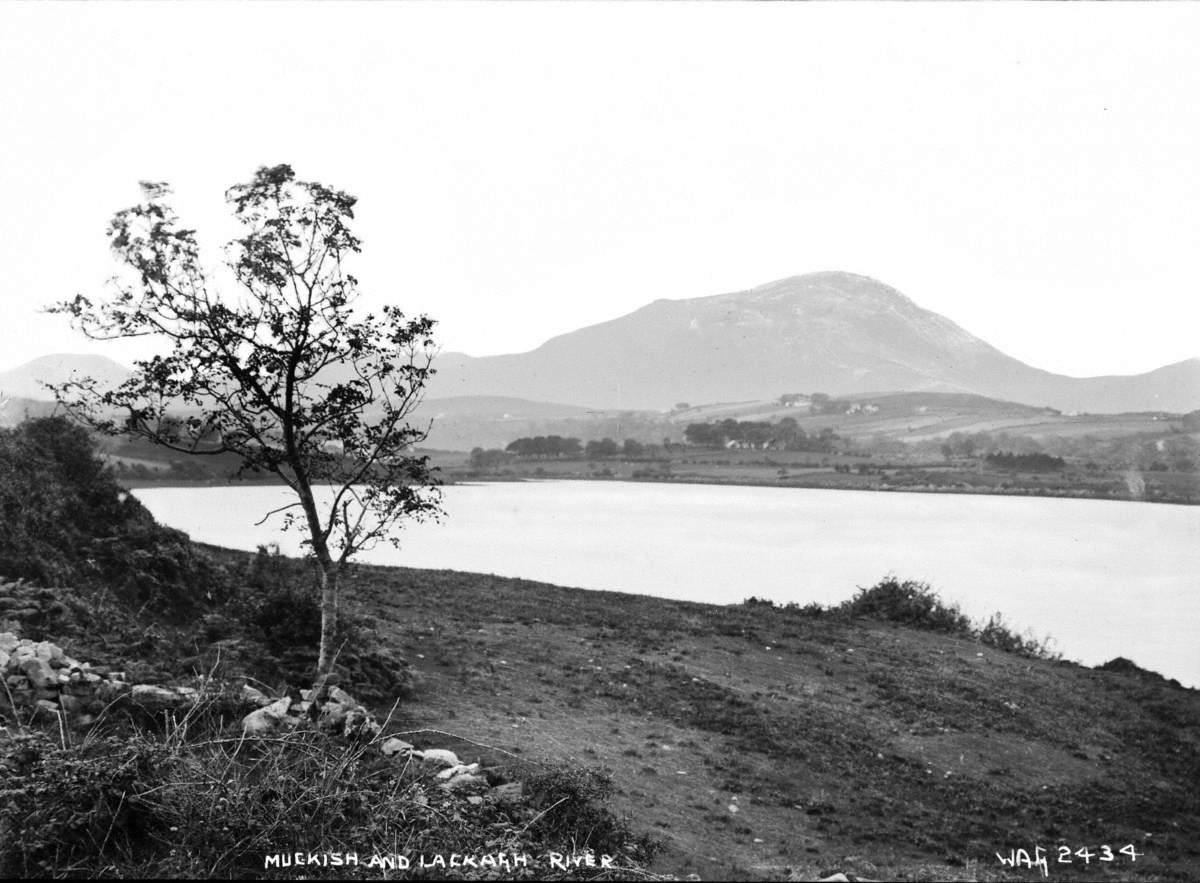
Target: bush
(570, 802)
(910, 603)
(915, 604)
(996, 633)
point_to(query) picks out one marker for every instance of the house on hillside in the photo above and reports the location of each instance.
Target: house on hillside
(793, 399)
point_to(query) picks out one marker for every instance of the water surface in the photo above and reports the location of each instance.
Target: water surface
(1105, 578)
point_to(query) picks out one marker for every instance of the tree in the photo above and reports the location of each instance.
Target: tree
(601, 450)
(286, 375)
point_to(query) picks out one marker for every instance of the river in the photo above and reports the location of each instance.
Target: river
(1104, 578)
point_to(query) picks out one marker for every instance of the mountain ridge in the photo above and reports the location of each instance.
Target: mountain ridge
(831, 331)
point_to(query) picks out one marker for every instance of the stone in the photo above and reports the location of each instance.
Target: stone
(47, 705)
(39, 672)
(475, 800)
(393, 746)
(48, 651)
(70, 704)
(333, 714)
(458, 770)
(8, 642)
(107, 691)
(4, 657)
(465, 782)
(360, 724)
(440, 756)
(154, 698)
(266, 720)
(255, 696)
(337, 694)
(509, 792)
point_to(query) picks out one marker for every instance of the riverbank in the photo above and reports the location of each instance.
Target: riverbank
(833, 472)
(758, 742)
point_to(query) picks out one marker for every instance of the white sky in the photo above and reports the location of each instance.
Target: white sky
(1029, 171)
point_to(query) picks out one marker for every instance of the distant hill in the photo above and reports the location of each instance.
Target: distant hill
(27, 380)
(830, 332)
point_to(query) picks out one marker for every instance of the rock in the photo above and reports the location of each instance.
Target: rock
(8, 642)
(255, 697)
(393, 746)
(458, 770)
(47, 705)
(510, 792)
(4, 657)
(474, 800)
(465, 782)
(47, 651)
(333, 714)
(155, 698)
(360, 724)
(439, 756)
(267, 719)
(340, 696)
(107, 691)
(39, 672)
(70, 704)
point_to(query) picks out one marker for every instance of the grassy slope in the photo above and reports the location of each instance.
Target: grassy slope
(844, 746)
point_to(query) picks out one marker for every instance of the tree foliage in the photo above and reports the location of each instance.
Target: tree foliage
(285, 373)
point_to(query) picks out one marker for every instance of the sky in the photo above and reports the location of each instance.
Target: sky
(523, 170)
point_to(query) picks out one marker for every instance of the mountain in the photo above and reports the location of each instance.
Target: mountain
(26, 381)
(831, 332)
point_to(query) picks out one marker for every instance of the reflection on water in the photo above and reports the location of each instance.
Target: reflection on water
(1105, 578)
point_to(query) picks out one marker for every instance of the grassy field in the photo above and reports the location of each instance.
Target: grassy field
(762, 743)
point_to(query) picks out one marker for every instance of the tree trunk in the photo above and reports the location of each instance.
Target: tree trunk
(329, 622)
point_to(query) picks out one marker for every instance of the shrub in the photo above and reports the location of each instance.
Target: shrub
(570, 802)
(996, 633)
(910, 603)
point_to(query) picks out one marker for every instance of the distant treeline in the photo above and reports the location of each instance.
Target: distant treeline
(1026, 462)
(785, 435)
(557, 447)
